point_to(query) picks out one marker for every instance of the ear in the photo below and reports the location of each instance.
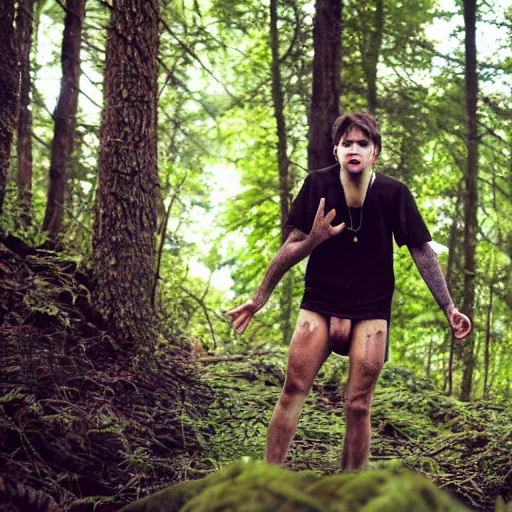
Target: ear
(374, 155)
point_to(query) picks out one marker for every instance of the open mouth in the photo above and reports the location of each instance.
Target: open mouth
(354, 161)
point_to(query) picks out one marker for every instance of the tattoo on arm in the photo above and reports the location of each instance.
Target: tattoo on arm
(428, 265)
(296, 247)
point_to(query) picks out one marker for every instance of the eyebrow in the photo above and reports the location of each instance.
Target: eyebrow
(360, 140)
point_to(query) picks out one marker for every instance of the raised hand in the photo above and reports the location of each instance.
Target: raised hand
(322, 229)
(459, 322)
(297, 247)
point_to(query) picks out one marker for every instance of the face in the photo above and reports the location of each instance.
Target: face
(355, 151)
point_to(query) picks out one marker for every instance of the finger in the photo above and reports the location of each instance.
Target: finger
(330, 216)
(462, 321)
(237, 310)
(336, 230)
(241, 328)
(463, 330)
(320, 210)
(232, 321)
(240, 320)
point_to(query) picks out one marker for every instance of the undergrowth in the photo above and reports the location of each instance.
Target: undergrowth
(463, 448)
(79, 430)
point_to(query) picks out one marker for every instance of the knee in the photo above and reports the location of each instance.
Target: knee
(359, 395)
(359, 404)
(293, 389)
(368, 370)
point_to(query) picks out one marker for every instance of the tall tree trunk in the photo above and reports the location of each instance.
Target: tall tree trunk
(65, 117)
(449, 281)
(283, 164)
(9, 90)
(488, 330)
(277, 97)
(371, 44)
(125, 210)
(24, 24)
(325, 95)
(471, 199)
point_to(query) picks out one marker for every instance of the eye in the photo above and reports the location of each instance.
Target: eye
(364, 143)
(345, 144)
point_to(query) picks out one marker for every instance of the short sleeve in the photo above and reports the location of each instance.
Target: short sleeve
(303, 209)
(409, 227)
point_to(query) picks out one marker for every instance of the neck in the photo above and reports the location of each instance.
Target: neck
(355, 186)
(356, 181)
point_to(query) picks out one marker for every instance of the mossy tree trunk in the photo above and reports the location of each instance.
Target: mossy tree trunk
(24, 23)
(125, 210)
(9, 89)
(325, 95)
(471, 198)
(65, 117)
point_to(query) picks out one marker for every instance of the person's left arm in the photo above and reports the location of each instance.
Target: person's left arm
(426, 260)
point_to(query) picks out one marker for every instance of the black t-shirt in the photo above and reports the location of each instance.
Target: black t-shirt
(350, 279)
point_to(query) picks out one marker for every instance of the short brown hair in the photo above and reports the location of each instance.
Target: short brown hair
(365, 122)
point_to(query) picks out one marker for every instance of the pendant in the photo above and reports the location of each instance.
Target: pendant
(356, 239)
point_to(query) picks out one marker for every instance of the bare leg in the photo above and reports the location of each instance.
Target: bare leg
(308, 351)
(367, 351)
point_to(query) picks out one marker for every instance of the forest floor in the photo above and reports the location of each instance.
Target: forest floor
(465, 449)
(81, 430)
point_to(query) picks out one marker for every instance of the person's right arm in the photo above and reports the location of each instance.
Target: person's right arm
(297, 246)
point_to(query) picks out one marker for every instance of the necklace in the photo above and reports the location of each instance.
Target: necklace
(352, 228)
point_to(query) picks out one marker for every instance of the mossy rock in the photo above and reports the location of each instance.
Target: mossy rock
(259, 487)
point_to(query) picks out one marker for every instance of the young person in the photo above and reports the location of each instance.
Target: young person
(349, 281)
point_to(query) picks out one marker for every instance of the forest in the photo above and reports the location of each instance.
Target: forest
(150, 151)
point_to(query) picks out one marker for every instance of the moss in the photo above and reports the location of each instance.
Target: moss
(259, 487)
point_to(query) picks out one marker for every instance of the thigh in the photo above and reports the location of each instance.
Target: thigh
(309, 349)
(367, 353)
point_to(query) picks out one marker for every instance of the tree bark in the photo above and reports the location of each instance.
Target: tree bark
(488, 330)
(65, 117)
(9, 90)
(449, 281)
(471, 198)
(325, 95)
(125, 210)
(371, 44)
(24, 23)
(277, 97)
(283, 163)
